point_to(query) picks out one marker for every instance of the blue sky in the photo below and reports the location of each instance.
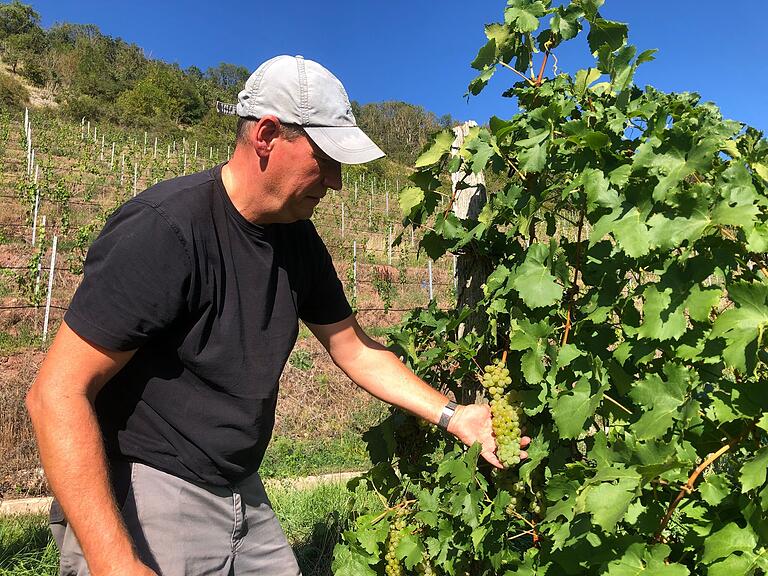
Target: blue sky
(419, 51)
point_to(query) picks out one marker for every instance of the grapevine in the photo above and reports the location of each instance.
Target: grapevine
(625, 230)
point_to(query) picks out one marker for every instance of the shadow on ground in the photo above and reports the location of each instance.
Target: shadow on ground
(315, 554)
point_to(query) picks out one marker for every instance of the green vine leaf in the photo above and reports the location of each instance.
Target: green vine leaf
(410, 198)
(410, 550)
(661, 399)
(631, 233)
(348, 562)
(606, 33)
(439, 148)
(662, 318)
(728, 540)
(742, 328)
(607, 503)
(641, 561)
(524, 15)
(753, 472)
(533, 281)
(571, 409)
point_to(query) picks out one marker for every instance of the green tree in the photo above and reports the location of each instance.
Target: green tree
(165, 93)
(22, 47)
(400, 128)
(17, 18)
(93, 74)
(229, 77)
(130, 65)
(12, 93)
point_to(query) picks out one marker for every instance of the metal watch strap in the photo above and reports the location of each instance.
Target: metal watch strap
(448, 411)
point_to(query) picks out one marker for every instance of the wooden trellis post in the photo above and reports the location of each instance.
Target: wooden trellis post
(471, 271)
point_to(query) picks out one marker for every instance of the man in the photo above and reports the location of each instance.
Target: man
(156, 401)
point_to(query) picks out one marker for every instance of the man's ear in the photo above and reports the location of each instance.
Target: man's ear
(264, 134)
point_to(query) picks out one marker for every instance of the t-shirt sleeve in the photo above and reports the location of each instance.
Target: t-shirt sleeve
(324, 301)
(135, 280)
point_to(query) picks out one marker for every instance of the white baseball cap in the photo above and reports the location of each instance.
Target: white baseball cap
(300, 91)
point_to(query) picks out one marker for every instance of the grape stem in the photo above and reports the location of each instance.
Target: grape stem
(688, 487)
(514, 168)
(384, 514)
(519, 516)
(527, 532)
(523, 76)
(627, 410)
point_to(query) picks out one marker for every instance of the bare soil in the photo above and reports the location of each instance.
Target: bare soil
(20, 472)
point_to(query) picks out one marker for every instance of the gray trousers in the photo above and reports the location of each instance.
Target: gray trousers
(182, 529)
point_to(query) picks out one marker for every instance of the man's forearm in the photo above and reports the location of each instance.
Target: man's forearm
(71, 451)
(380, 372)
(375, 369)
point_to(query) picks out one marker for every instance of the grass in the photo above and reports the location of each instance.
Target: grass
(312, 518)
(26, 547)
(287, 458)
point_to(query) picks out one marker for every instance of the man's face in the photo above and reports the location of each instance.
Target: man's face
(301, 177)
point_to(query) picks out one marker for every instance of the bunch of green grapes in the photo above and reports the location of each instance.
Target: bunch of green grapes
(424, 568)
(506, 412)
(523, 500)
(394, 566)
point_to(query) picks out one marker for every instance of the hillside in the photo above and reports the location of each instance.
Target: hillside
(82, 73)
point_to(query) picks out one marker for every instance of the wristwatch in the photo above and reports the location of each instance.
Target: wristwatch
(448, 411)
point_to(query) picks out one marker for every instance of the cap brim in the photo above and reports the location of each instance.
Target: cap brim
(345, 144)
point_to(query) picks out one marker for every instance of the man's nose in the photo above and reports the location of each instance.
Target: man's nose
(333, 177)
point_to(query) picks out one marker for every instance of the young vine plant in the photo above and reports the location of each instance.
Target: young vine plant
(624, 318)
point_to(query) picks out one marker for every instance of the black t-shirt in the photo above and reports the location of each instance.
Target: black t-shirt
(211, 302)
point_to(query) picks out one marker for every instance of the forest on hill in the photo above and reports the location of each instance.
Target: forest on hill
(88, 74)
